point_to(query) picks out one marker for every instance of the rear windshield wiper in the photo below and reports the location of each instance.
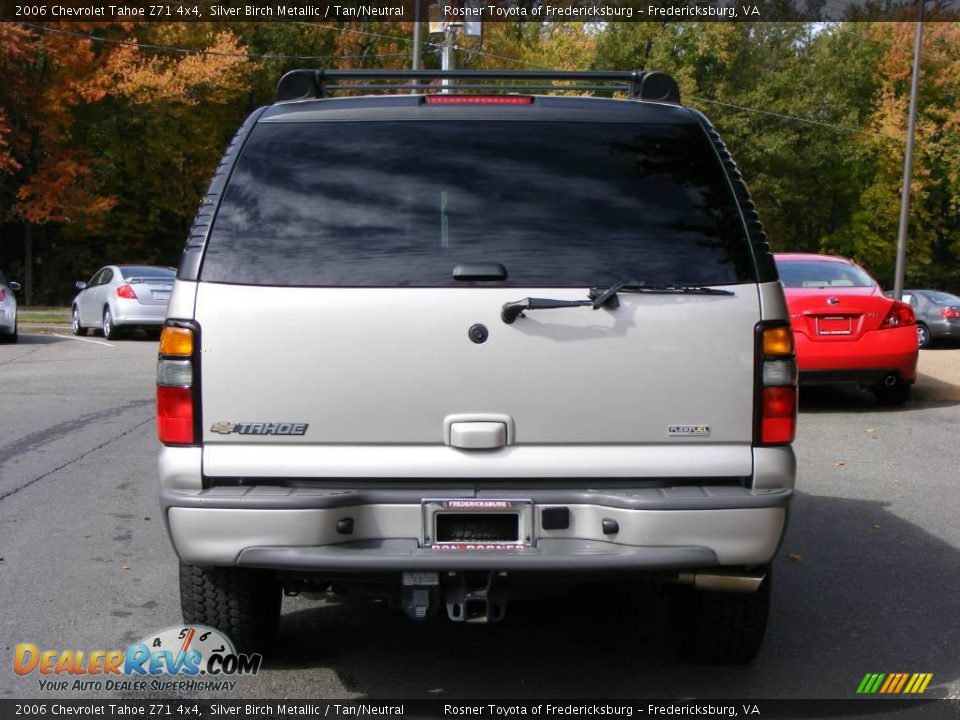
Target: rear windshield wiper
(602, 297)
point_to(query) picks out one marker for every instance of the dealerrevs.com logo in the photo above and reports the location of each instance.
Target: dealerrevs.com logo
(184, 657)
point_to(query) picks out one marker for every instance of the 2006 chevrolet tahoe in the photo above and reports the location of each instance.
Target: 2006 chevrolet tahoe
(443, 344)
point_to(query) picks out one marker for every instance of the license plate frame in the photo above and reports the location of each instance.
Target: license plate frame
(432, 508)
(834, 325)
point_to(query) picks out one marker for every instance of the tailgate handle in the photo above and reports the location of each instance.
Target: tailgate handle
(478, 435)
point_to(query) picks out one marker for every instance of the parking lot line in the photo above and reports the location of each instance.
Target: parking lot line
(89, 340)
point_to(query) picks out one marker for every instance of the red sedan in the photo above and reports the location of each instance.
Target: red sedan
(846, 330)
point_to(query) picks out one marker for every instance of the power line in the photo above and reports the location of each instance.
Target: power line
(781, 116)
(401, 38)
(200, 51)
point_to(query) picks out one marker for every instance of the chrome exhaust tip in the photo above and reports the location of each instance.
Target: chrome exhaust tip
(721, 581)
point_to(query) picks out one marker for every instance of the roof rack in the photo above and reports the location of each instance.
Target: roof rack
(638, 84)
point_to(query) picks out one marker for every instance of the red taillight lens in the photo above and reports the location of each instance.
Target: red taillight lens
(125, 291)
(776, 390)
(900, 315)
(948, 313)
(175, 415)
(3, 295)
(778, 415)
(478, 100)
(175, 385)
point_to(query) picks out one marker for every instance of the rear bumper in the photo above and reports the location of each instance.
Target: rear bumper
(664, 524)
(8, 318)
(132, 312)
(945, 329)
(296, 529)
(867, 359)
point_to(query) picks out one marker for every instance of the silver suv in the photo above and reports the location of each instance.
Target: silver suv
(445, 344)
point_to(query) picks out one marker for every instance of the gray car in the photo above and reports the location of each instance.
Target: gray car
(8, 310)
(120, 297)
(938, 315)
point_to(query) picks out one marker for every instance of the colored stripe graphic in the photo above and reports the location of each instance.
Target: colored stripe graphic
(894, 683)
(918, 683)
(870, 683)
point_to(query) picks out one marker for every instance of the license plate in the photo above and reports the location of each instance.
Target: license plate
(161, 295)
(835, 325)
(474, 525)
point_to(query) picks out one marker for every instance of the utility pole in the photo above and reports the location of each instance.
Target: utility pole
(417, 29)
(908, 159)
(448, 60)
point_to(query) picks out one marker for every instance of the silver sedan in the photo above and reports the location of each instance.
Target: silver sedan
(118, 297)
(8, 310)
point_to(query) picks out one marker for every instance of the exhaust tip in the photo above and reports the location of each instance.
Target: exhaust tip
(890, 380)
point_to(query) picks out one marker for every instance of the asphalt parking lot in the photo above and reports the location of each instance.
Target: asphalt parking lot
(867, 580)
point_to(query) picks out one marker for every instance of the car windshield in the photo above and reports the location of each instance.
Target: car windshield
(942, 298)
(821, 273)
(143, 271)
(558, 204)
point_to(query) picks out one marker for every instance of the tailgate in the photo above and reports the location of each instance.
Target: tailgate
(373, 373)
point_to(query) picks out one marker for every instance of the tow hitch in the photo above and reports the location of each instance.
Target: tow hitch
(468, 597)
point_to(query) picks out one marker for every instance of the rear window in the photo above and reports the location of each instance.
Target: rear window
(147, 272)
(821, 273)
(401, 204)
(942, 298)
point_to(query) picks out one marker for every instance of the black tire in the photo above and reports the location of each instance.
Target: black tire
(10, 337)
(75, 325)
(244, 604)
(719, 628)
(923, 336)
(110, 331)
(893, 395)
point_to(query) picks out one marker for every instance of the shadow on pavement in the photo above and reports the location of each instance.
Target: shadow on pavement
(857, 590)
(38, 339)
(849, 399)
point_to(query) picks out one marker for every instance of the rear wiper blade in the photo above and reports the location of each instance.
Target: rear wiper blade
(601, 297)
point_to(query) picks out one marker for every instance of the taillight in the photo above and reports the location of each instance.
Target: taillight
(3, 295)
(478, 100)
(776, 414)
(125, 291)
(900, 315)
(176, 386)
(949, 313)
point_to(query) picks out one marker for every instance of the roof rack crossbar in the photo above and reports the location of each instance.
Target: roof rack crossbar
(473, 86)
(639, 84)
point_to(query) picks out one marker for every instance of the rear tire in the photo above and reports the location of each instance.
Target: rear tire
(10, 337)
(719, 628)
(77, 328)
(923, 336)
(110, 331)
(892, 395)
(243, 604)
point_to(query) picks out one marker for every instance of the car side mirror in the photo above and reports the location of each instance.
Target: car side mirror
(81, 285)
(15, 286)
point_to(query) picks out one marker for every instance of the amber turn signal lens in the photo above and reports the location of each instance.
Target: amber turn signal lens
(777, 341)
(176, 341)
